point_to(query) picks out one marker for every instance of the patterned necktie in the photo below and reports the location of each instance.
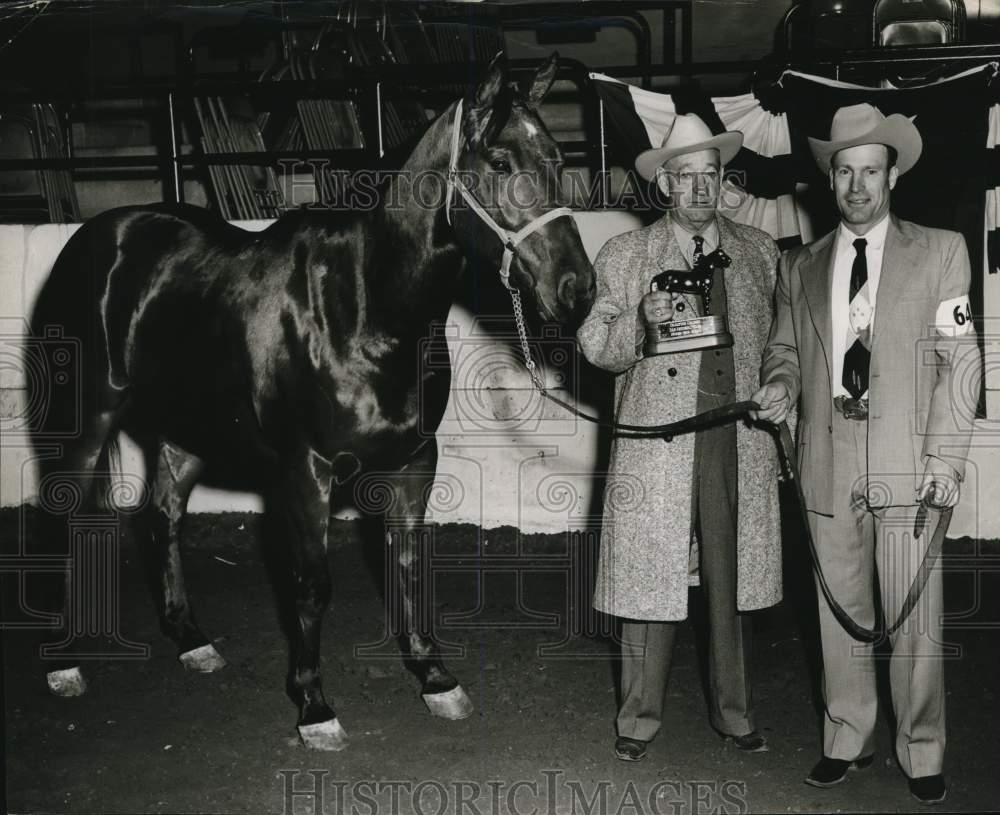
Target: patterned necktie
(698, 254)
(858, 356)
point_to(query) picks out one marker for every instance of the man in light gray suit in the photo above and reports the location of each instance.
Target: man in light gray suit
(873, 333)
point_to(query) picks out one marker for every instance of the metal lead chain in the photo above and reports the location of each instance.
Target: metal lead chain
(529, 363)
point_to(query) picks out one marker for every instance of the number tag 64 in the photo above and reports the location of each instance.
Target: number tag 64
(954, 317)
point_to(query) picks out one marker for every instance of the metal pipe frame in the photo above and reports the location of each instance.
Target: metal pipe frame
(178, 92)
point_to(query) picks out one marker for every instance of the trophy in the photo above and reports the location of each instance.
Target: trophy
(695, 333)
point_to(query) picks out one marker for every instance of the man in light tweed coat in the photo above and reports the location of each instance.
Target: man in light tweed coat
(704, 507)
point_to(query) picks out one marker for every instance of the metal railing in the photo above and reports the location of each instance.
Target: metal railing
(175, 97)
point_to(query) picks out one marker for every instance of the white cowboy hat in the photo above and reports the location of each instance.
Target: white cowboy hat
(866, 124)
(687, 134)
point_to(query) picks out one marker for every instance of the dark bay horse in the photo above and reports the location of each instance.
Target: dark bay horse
(292, 355)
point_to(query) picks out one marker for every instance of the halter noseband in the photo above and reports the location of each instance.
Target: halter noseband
(509, 239)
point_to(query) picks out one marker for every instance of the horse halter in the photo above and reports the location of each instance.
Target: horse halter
(509, 239)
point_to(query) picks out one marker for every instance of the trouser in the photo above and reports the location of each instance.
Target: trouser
(647, 646)
(856, 545)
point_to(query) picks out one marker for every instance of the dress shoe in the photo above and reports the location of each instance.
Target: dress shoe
(831, 771)
(752, 742)
(928, 789)
(630, 749)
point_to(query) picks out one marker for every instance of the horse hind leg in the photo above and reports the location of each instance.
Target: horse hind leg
(173, 476)
(68, 484)
(304, 497)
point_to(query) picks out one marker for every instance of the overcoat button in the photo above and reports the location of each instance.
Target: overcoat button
(679, 307)
(672, 372)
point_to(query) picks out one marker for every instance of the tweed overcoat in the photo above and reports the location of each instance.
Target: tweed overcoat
(643, 572)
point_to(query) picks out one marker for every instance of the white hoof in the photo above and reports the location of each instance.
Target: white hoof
(69, 682)
(328, 735)
(452, 704)
(204, 659)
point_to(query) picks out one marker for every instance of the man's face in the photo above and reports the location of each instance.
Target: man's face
(861, 179)
(692, 182)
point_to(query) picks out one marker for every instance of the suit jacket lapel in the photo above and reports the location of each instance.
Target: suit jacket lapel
(728, 242)
(659, 240)
(816, 275)
(899, 258)
(663, 249)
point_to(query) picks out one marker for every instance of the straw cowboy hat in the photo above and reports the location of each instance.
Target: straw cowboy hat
(866, 124)
(687, 134)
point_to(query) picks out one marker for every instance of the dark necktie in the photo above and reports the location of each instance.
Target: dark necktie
(697, 255)
(858, 356)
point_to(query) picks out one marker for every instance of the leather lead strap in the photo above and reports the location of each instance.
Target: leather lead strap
(852, 626)
(786, 449)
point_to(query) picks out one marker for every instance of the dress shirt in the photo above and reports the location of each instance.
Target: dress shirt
(685, 239)
(840, 292)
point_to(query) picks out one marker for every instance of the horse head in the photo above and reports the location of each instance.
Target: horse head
(505, 197)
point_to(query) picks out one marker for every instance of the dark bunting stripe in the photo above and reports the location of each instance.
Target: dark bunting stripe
(766, 176)
(993, 250)
(621, 118)
(991, 166)
(630, 139)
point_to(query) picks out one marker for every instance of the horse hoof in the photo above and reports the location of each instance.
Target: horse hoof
(68, 682)
(204, 659)
(452, 704)
(328, 735)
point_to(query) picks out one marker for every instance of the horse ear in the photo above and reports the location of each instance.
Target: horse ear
(542, 81)
(479, 109)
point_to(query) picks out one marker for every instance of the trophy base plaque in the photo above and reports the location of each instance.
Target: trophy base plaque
(674, 336)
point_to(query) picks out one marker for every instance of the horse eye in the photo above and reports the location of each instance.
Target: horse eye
(500, 165)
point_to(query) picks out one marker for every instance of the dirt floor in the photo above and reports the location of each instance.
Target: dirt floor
(150, 737)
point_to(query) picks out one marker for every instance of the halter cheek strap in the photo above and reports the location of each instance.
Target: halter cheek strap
(509, 239)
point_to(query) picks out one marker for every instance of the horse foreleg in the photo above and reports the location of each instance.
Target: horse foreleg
(305, 497)
(173, 477)
(408, 541)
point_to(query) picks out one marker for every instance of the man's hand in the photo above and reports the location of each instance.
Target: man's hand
(774, 403)
(657, 306)
(940, 485)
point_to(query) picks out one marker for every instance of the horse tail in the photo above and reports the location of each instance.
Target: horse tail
(109, 462)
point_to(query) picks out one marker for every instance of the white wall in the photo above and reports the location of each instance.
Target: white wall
(507, 456)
